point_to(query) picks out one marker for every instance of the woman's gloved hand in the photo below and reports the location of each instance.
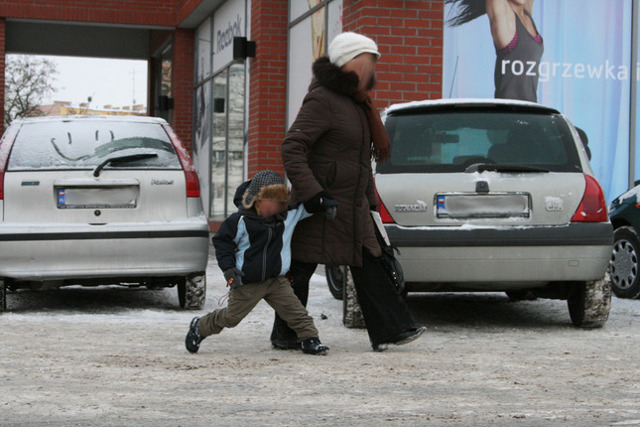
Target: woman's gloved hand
(322, 202)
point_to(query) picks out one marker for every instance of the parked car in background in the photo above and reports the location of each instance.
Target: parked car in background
(496, 195)
(100, 200)
(624, 212)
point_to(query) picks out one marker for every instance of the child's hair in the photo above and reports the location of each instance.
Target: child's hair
(266, 184)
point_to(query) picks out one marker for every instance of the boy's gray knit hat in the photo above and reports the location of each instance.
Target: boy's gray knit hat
(262, 181)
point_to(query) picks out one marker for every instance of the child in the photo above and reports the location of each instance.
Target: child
(253, 251)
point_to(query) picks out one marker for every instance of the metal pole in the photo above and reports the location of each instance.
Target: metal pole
(634, 90)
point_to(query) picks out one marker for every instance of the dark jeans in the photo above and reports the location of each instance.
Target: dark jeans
(385, 312)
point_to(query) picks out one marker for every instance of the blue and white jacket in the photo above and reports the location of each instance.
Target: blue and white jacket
(260, 247)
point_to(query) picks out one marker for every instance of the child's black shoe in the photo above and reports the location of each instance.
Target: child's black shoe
(314, 346)
(193, 340)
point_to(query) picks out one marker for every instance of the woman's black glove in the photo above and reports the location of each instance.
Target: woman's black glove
(322, 202)
(233, 276)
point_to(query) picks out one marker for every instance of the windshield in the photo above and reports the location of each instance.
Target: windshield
(85, 144)
(453, 141)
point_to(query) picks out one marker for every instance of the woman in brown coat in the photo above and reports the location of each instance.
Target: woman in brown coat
(327, 155)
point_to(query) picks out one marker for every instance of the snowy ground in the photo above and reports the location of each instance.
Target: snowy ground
(113, 356)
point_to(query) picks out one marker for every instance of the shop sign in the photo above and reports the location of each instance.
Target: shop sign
(228, 22)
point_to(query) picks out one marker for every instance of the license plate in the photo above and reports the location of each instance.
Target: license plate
(483, 205)
(122, 197)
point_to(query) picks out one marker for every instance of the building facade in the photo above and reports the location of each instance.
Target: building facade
(230, 75)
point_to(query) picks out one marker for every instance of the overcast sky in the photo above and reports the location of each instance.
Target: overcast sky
(115, 82)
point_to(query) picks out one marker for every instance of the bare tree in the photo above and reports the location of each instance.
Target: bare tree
(28, 80)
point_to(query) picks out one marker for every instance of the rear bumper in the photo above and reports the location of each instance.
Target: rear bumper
(486, 256)
(70, 251)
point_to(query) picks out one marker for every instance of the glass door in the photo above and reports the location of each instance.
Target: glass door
(218, 147)
(227, 144)
(236, 135)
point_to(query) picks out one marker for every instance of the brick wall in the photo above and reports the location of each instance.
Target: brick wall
(139, 12)
(409, 37)
(182, 85)
(267, 93)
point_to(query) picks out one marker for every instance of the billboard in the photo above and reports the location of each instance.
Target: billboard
(572, 55)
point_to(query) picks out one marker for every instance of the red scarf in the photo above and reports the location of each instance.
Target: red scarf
(381, 147)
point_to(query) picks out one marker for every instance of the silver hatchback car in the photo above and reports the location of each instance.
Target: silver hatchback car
(496, 195)
(100, 200)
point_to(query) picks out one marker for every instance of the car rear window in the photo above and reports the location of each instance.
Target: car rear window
(84, 144)
(450, 141)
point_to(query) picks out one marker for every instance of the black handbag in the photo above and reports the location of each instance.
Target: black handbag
(390, 264)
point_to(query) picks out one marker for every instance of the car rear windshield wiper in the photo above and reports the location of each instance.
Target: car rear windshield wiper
(492, 167)
(123, 159)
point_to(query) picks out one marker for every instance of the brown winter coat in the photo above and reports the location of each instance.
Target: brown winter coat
(328, 148)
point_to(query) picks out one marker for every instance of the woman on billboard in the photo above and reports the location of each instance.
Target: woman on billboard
(518, 44)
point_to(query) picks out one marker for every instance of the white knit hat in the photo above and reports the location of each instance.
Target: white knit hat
(346, 46)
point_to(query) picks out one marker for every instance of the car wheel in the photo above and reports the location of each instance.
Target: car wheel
(335, 280)
(3, 296)
(193, 291)
(623, 267)
(589, 303)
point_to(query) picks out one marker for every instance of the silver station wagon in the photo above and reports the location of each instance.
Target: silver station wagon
(496, 195)
(100, 200)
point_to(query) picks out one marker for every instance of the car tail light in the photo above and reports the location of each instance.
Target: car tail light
(5, 148)
(592, 207)
(382, 210)
(190, 175)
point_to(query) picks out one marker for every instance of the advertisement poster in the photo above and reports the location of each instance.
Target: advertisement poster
(572, 55)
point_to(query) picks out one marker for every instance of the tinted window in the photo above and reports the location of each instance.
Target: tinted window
(84, 144)
(451, 141)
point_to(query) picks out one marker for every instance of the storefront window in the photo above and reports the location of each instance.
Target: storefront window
(220, 130)
(202, 110)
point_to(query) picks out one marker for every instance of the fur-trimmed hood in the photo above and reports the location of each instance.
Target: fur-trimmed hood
(278, 192)
(346, 83)
(333, 78)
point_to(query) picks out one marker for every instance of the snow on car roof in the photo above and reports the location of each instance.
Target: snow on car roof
(466, 102)
(110, 118)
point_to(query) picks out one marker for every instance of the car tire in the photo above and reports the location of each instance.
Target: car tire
(624, 265)
(589, 303)
(3, 296)
(193, 291)
(335, 280)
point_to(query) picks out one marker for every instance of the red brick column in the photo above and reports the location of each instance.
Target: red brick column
(182, 85)
(409, 37)
(268, 85)
(2, 67)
